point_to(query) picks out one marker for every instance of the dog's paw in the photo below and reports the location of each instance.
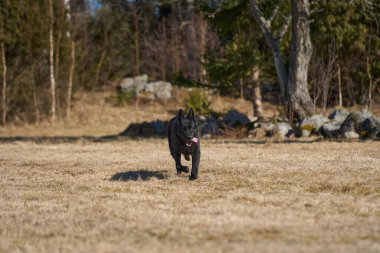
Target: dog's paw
(187, 157)
(191, 178)
(185, 169)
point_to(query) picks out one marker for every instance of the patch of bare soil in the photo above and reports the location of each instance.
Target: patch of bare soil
(124, 196)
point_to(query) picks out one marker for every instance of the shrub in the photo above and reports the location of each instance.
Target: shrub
(197, 99)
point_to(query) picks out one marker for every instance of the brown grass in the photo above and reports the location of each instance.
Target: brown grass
(299, 197)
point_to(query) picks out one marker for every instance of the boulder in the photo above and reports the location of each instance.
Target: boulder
(140, 81)
(127, 85)
(330, 129)
(140, 86)
(339, 115)
(266, 126)
(370, 128)
(350, 135)
(353, 122)
(146, 129)
(235, 118)
(212, 127)
(311, 125)
(160, 89)
(282, 129)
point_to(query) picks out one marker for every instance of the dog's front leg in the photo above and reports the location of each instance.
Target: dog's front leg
(178, 165)
(196, 157)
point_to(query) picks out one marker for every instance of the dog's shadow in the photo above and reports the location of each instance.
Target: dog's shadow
(139, 175)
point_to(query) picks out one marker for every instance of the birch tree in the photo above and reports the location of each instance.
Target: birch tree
(52, 77)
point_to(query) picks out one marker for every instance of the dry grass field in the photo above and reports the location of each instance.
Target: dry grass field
(124, 196)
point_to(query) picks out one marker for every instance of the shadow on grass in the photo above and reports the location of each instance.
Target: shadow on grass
(60, 139)
(139, 175)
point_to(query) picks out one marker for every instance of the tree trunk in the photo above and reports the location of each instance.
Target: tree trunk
(241, 85)
(370, 84)
(203, 28)
(136, 42)
(300, 101)
(274, 43)
(71, 76)
(52, 78)
(282, 74)
(99, 66)
(257, 104)
(4, 98)
(340, 88)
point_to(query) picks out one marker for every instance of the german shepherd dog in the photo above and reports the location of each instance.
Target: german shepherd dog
(183, 137)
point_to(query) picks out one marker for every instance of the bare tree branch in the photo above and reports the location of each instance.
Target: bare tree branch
(265, 24)
(285, 26)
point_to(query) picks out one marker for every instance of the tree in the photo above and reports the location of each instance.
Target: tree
(52, 77)
(4, 64)
(294, 86)
(352, 27)
(301, 51)
(4, 97)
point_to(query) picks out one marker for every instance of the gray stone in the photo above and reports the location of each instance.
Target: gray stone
(312, 124)
(127, 85)
(339, 115)
(353, 121)
(207, 136)
(266, 126)
(154, 90)
(135, 84)
(331, 129)
(305, 133)
(235, 118)
(212, 126)
(351, 135)
(141, 80)
(282, 129)
(370, 128)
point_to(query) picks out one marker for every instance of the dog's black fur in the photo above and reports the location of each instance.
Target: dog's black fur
(181, 133)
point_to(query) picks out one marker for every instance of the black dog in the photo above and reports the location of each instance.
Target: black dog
(183, 136)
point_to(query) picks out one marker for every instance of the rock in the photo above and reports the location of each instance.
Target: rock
(266, 126)
(212, 126)
(154, 90)
(351, 135)
(330, 129)
(339, 115)
(160, 127)
(305, 133)
(160, 89)
(235, 118)
(164, 95)
(207, 136)
(140, 81)
(146, 129)
(127, 85)
(257, 133)
(353, 121)
(370, 128)
(312, 124)
(253, 118)
(282, 129)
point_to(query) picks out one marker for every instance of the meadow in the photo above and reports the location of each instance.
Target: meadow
(124, 196)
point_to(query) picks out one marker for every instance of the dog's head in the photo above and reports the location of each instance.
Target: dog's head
(187, 127)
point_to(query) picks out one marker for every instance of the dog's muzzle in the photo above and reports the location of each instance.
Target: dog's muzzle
(193, 140)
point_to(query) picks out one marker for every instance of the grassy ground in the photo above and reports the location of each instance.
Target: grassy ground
(124, 196)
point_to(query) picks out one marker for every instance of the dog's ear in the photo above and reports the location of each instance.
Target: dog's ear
(190, 115)
(180, 114)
